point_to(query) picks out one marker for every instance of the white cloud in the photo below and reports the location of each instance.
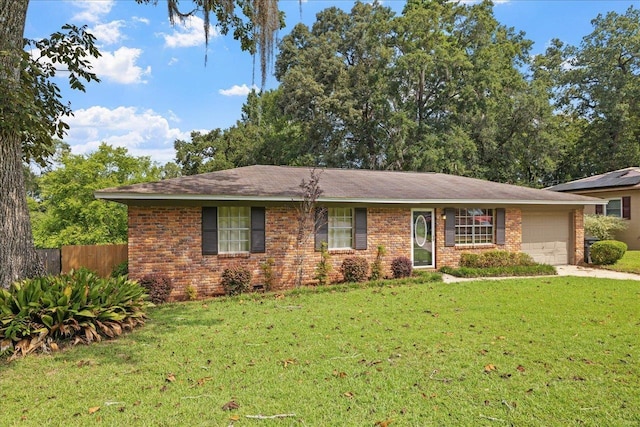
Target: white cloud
(91, 10)
(236, 90)
(173, 61)
(188, 34)
(120, 66)
(108, 33)
(141, 20)
(143, 133)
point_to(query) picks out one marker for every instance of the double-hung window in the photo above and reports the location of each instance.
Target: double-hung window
(614, 208)
(234, 229)
(340, 228)
(474, 226)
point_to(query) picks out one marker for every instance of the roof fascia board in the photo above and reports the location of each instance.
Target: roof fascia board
(223, 198)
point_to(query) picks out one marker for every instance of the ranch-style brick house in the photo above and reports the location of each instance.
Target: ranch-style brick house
(191, 228)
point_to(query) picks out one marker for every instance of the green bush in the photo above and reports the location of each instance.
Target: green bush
(323, 269)
(376, 267)
(401, 267)
(269, 274)
(603, 227)
(80, 307)
(514, 270)
(121, 269)
(492, 259)
(158, 287)
(236, 280)
(355, 269)
(607, 252)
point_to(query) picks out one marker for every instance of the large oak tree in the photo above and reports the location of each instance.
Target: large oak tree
(31, 110)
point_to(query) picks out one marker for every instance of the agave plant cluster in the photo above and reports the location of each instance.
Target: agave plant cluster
(80, 307)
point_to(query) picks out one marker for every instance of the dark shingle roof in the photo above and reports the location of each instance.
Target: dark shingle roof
(282, 183)
(621, 178)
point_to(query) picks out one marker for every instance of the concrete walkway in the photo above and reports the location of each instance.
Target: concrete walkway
(563, 270)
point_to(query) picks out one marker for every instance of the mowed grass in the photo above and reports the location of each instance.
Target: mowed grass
(629, 263)
(529, 352)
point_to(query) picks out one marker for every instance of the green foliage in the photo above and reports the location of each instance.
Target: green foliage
(401, 267)
(35, 106)
(503, 271)
(355, 269)
(236, 280)
(496, 258)
(603, 227)
(192, 292)
(377, 269)
(121, 269)
(324, 267)
(67, 212)
(607, 252)
(158, 286)
(269, 274)
(79, 307)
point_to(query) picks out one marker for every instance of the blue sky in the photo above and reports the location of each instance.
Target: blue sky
(155, 87)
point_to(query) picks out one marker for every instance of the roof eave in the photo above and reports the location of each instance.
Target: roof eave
(117, 196)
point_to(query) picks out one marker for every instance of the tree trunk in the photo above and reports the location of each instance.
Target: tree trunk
(18, 257)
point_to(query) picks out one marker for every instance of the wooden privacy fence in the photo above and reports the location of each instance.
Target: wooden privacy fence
(99, 258)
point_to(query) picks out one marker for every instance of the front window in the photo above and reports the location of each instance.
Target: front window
(234, 229)
(340, 228)
(474, 226)
(614, 208)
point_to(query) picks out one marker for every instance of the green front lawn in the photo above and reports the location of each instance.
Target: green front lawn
(553, 351)
(629, 263)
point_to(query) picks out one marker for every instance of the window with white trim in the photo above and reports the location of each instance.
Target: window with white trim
(474, 226)
(340, 228)
(234, 229)
(613, 208)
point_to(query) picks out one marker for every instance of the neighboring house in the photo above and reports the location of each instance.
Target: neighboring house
(192, 228)
(621, 191)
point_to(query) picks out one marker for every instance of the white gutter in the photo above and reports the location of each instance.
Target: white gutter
(222, 198)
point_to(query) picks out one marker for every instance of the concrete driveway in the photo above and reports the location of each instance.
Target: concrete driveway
(563, 270)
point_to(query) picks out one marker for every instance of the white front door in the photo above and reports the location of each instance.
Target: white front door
(422, 238)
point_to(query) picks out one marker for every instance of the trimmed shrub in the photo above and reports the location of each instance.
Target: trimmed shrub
(493, 259)
(376, 267)
(603, 227)
(121, 269)
(355, 269)
(607, 252)
(401, 267)
(236, 280)
(158, 287)
(79, 307)
(513, 270)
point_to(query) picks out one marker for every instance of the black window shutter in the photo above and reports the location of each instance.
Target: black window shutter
(500, 227)
(361, 228)
(258, 230)
(321, 227)
(626, 207)
(209, 231)
(599, 210)
(450, 227)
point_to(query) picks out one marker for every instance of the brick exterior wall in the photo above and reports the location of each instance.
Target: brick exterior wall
(167, 240)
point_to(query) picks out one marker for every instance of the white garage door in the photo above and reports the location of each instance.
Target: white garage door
(545, 236)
